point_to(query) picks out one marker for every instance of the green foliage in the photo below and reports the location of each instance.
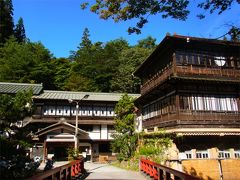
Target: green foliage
(6, 20)
(15, 108)
(151, 146)
(21, 166)
(129, 59)
(125, 145)
(125, 110)
(154, 148)
(19, 31)
(148, 43)
(95, 63)
(16, 140)
(122, 10)
(26, 62)
(125, 139)
(234, 33)
(73, 154)
(61, 68)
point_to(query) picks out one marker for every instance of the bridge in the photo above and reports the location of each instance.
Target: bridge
(77, 169)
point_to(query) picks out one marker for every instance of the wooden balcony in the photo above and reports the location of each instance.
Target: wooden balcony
(157, 79)
(191, 72)
(194, 119)
(208, 73)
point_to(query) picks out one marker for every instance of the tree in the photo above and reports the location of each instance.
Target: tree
(14, 108)
(19, 31)
(125, 138)
(122, 10)
(13, 140)
(76, 82)
(123, 80)
(97, 62)
(86, 42)
(26, 62)
(6, 20)
(234, 33)
(149, 43)
(62, 68)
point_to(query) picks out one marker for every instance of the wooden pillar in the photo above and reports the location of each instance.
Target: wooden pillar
(174, 62)
(44, 149)
(177, 105)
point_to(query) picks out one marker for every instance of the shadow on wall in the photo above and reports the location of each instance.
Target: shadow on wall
(193, 172)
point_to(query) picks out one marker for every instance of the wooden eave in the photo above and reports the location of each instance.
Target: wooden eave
(219, 80)
(165, 44)
(60, 125)
(205, 132)
(194, 43)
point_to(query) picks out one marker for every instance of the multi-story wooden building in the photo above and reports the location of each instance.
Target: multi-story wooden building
(57, 116)
(53, 123)
(191, 88)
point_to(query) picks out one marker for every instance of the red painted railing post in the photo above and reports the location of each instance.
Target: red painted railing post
(73, 170)
(155, 173)
(76, 168)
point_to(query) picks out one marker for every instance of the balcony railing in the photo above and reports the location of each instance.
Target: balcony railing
(190, 71)
(190, 119)
(157, 79)
(218, 73)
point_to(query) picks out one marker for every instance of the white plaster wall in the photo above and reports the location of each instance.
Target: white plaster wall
(94, 135)
(104, 134)
(66, 111)
(59, 110)
(53, 110)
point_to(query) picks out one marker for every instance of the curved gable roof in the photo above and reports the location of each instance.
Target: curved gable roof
(60, 125)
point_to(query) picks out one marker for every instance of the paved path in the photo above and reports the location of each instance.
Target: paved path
(106, 171)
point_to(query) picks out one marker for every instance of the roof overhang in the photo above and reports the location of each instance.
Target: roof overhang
(60, 125)
(205, 131)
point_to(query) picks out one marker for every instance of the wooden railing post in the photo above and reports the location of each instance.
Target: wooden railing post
(73, 170)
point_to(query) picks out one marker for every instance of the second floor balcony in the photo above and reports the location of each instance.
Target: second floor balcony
(189, 71)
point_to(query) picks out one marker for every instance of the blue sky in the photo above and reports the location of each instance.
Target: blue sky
(59, 24)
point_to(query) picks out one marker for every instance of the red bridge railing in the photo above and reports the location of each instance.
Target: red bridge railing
(66, 172)
(159, 172)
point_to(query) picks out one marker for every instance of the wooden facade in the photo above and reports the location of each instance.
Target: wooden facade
(190, 83)
(54, 118)
(191, 89)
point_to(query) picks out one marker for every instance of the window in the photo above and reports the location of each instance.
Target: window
(188, 154)
(208, 103)
(202, 155)
(59, 110)
(219, 60)
(224, 154)
(45, 111)
(237, 154)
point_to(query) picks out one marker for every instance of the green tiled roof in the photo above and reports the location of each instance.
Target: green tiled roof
(66, 95)
(13, 88)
